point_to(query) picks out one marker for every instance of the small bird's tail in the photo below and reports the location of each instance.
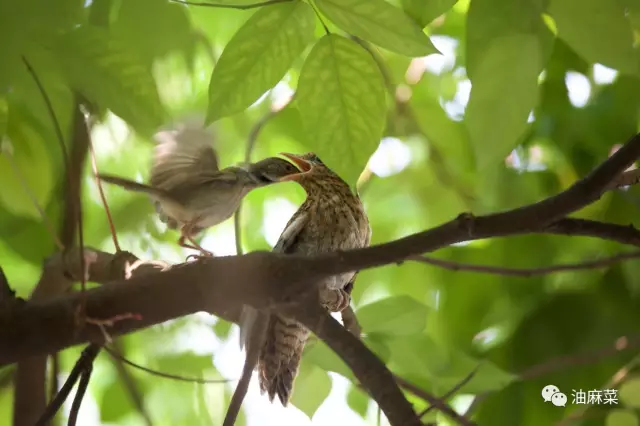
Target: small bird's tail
(280, 357)
(131, 185)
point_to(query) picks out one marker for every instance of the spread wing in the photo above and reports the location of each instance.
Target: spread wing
(183, 157)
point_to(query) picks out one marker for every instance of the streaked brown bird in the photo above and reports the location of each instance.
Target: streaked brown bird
(190, 193)
(331, 218)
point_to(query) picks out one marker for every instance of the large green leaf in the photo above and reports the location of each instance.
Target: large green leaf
(425, 11)
(155, 27)
(488, 20)
(312, 387)
(394, 315)
(25, 167)
(258, 56)
(341, 99)
(378, 22)
(104, 68)
(598, 30)
(504, 91)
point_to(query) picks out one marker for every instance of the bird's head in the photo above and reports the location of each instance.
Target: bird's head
(309, 165)
(313, 175)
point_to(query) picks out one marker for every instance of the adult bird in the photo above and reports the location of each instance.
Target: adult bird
(190, 193)
(331, 218)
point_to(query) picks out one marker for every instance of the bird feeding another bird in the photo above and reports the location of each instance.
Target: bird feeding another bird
(190, 193)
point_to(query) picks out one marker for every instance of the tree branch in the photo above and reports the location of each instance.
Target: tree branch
(526, 272)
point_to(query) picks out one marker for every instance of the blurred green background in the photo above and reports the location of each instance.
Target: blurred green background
(554, 87)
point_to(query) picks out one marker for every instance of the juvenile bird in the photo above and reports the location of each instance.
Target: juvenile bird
(331, 218)
(188, 189)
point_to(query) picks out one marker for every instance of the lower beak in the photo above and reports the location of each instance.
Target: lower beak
(301, 163)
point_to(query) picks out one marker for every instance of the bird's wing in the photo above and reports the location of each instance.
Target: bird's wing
(289, 236)
(183, 156)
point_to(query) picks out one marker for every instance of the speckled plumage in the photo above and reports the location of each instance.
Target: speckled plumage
(331, 218)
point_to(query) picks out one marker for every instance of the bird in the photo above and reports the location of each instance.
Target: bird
(331, 218)
(190, 193)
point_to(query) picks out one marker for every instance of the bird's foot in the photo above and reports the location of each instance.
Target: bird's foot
(335, 300)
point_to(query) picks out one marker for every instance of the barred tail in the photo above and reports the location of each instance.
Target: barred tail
(280, 358)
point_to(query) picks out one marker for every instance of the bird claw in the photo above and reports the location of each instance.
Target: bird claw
(335, 300)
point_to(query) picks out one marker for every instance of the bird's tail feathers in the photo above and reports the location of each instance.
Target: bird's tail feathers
(280, 357)
(132, 185)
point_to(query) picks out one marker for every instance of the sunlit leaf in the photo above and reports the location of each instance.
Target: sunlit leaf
(599, 32)
(378, 22)
(258, 56)
(495, 121)
(341, 99)
(630, 393)
(357, 400)
(394, 315)
(105, 70)
(621, 417)
(325, 358)
(312, 386)
(425, 11)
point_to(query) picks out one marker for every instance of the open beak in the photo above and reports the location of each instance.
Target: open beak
(301, 163)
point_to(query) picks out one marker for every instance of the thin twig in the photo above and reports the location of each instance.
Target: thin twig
(231, 6)
(435, 402)
(107, 210)
(79, 396)
(116, 355)
(131, 386)
(453, 390)
(527, 272)
(86, 359)
(251, 143)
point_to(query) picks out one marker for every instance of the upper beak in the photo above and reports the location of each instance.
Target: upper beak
(301, 163)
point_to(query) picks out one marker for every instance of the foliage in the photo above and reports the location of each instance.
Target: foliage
(142, 64)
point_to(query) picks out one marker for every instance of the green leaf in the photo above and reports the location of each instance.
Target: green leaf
(357, 400)
(325, 358)
(116, 402)
(630, 393)
(24, 161)
(258, 56)
(104, 69)
(425, 11)
(380, 23)
(495, 121)
(311, 388)
(622, 418)
(187, 364)
(341, 99)
(394, 315)
(152, 40)
(488, 20)
(597, 30)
